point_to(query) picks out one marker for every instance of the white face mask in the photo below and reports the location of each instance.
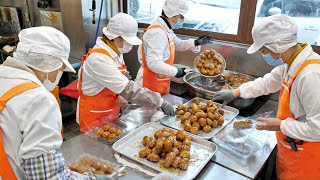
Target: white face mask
(51, 85)
(126, 48)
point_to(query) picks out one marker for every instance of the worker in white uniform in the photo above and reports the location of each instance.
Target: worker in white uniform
(159, 43)
(30, 117)
(297, 76)
(102, 79)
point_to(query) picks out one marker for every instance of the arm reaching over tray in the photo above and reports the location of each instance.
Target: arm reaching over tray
(144, 97)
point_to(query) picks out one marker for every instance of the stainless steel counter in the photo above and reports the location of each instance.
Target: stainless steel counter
(222, 166)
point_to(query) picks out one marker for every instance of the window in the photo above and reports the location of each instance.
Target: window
(232, 20)
(205, 15)
(306, 14)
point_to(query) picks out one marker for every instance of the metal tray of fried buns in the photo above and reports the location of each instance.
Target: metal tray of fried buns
(201, 151)
(174, 122)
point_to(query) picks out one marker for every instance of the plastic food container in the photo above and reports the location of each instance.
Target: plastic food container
(90, 163)
(238, 141)
(97, 125)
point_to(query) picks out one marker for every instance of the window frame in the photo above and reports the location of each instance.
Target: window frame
(243, 36)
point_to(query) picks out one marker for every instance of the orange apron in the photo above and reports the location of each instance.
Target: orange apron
(95, 108)
(6, 171)
(154, 81)
(304, 163)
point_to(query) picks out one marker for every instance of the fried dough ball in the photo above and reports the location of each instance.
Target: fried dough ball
(196, 124)
(166, 134)
(207, 128)
(202, 121)
(214, 123)
(153, 157)
(206, 65)
(151, 143)
(163, 155)
(204, 71)
(206, 52)
(118, 132)
(176, 162)
(194, 130)
(212, 52)
(187, 126)
(111, 137)
(181, 135)
(210, 115)
(168, 146)
(193, 119)
(220, 61)
(176, 151)
(106, 127)
(211, 73)
(173, 133)
(177, 144)
(209, 103)
(187, 121)
(194, 110)
(187, 142)
(203, 107)
(169, 160)
(112, 129)
(156, 151)
(159, 144)
(99, 133)
(197, 100)
(87, 161)
(202, 56)
(100, 172)
(145, 140)
(107, 169)
(192, 105)
(220, 120)
(209, 122)
(171, 155)
(181, 106)
(211, 109)
(96, 165)
(248, 121)
(185, 154)
(184, 163)
(144, 152)
(220, 111)
(217, 71)
(199, 65)
(106, 134)
(188, 114)
(184, 118)
(157, 134)
(189, 138)
(180, 112)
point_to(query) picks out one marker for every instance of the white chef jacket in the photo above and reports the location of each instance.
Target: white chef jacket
(157, 50)
(31, 121)
(100, 71)
(304, 96)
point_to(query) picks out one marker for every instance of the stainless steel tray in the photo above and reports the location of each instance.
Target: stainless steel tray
(174, 122)
(201, 151)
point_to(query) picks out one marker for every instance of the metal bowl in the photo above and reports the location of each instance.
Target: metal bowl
(198, 58)
(208, 90)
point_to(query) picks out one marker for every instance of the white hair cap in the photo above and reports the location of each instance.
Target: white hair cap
(278, 33)
(122, 25)
(43, 48)
(175, 7)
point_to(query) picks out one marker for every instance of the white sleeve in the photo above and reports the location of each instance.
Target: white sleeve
(185, 45)
(270, 83)
(155, 45)
(40, 126)
(103, 70)
(309, 97)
